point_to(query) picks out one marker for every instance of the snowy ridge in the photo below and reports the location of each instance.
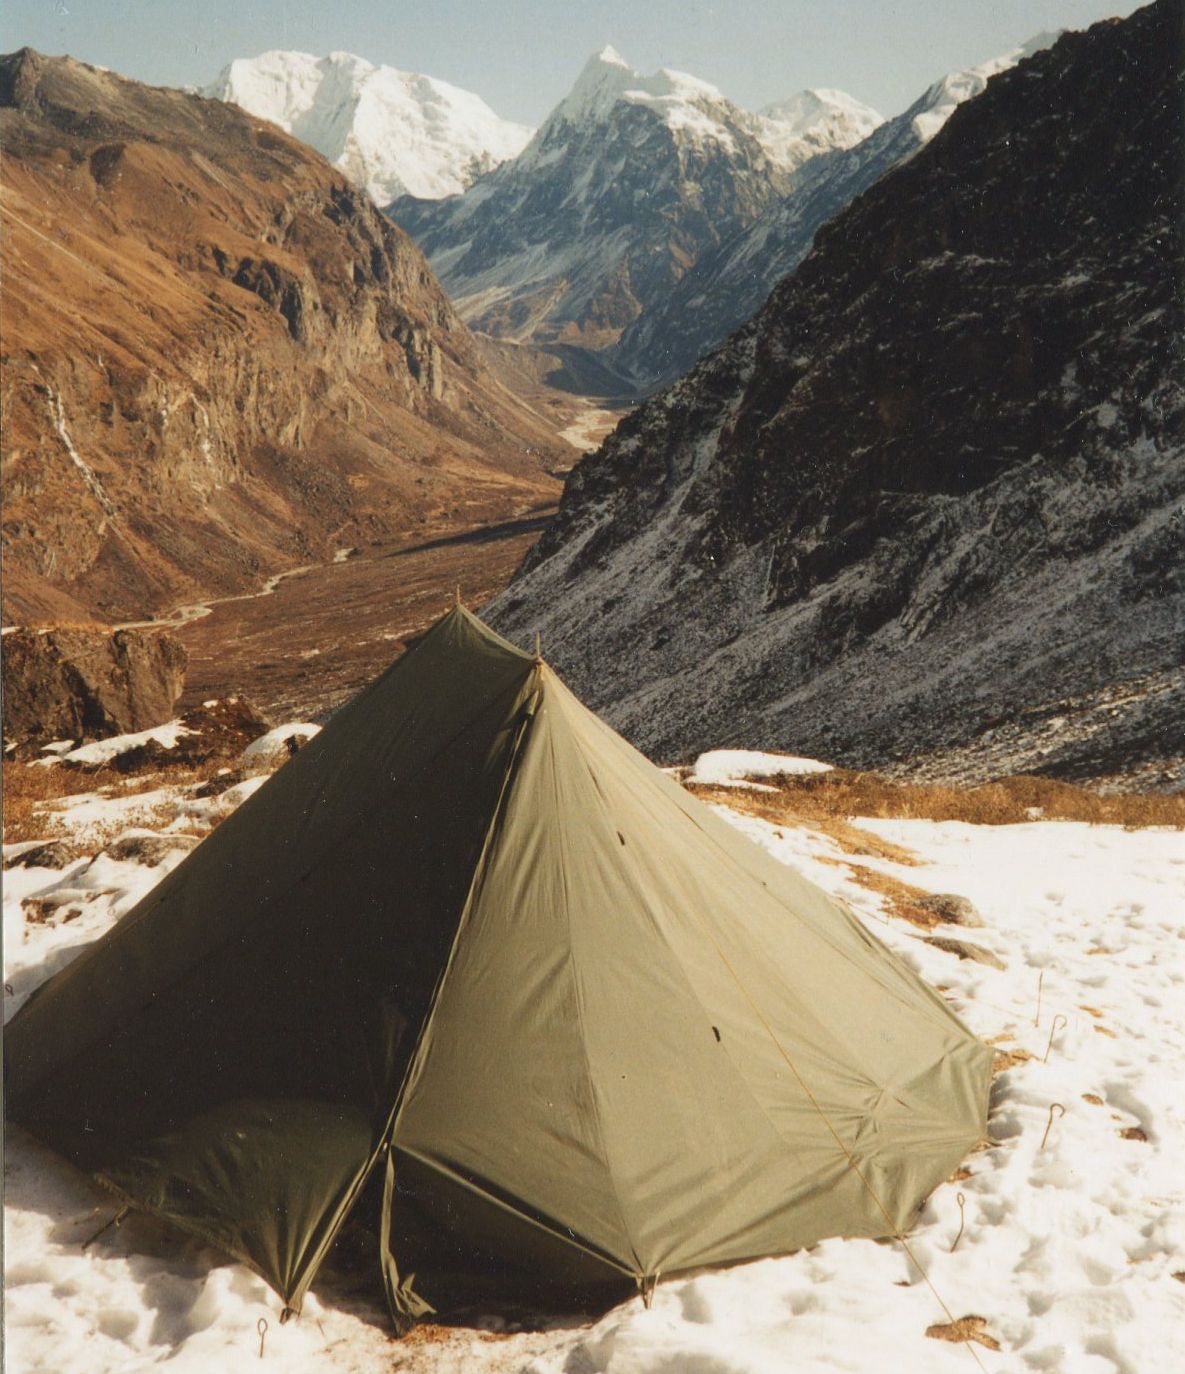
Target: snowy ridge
(393, 132)
(630, 180)
(941, 100)
(728, 285)
(790, 131)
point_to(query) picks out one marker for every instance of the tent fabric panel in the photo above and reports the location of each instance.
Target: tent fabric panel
(616, 910)
(820, 1019)
(501, 1089)
(290, 961)
(265, 1181)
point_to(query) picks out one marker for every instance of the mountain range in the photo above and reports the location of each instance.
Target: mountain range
(220, 360)
(630, 179)
(927, 504)
(728, 284)
(391, 132)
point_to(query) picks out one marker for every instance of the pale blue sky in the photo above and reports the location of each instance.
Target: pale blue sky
(523, 55)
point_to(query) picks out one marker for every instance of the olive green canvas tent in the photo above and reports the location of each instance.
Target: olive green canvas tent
(470, 940)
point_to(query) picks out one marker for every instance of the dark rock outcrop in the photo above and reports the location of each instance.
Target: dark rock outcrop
(926, 508)
(149, 850)
(87, 684)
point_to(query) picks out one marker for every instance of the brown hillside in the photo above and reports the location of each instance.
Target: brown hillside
(219, 359)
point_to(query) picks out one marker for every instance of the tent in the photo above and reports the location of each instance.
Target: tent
(470, 942)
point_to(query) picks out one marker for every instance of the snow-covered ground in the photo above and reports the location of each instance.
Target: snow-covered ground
(1072, 1249)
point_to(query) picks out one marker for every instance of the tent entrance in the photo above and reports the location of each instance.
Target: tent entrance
(459, 1247)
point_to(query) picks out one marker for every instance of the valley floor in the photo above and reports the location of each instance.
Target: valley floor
(312, 638)
(1059, 1246)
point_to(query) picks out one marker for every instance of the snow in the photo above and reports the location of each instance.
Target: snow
(1069, 1249)
(733, 767)
(814, 121)
(393, 132)
(273, 745)
(941, 100)
(104, 750)
(790, 132)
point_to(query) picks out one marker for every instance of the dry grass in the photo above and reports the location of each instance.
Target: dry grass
(901, 899)
(784, 807)
(964, 1329)
(1009, 1059)
(31, 791)
(815, 798)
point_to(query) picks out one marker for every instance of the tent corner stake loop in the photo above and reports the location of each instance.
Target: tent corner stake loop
(116, 1221)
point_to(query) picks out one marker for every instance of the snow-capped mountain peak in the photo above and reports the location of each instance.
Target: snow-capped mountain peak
(939, 102)
(391, 131)
(802, 112)
(682, 101)
(814, 121)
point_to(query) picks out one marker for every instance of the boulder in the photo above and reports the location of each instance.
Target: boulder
(216, 729)
(961, 950)
(87, 683)
(149, 850)
(50, 854)
(949, 906)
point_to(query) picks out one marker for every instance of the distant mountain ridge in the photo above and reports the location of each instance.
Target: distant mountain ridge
(392, 132)
(627, 182)
(730, 283)
(926, 506)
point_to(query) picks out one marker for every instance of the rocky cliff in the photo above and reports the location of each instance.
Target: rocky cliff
(219, 359)
(74, 684)
(928, 504)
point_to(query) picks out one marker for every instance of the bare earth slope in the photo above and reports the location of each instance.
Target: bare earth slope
(928, 504)
(219, 359)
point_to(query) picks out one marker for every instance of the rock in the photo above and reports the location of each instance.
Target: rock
(949, 906)
(223, 781)
(961, 950)
(66, 904)
(222, 728)
(149, 850)
(279, 744)
(51, 854)
(80, 683)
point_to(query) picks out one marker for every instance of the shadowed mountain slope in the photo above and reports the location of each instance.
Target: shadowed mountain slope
(927, 504)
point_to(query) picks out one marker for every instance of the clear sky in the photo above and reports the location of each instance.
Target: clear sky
(521, 56)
